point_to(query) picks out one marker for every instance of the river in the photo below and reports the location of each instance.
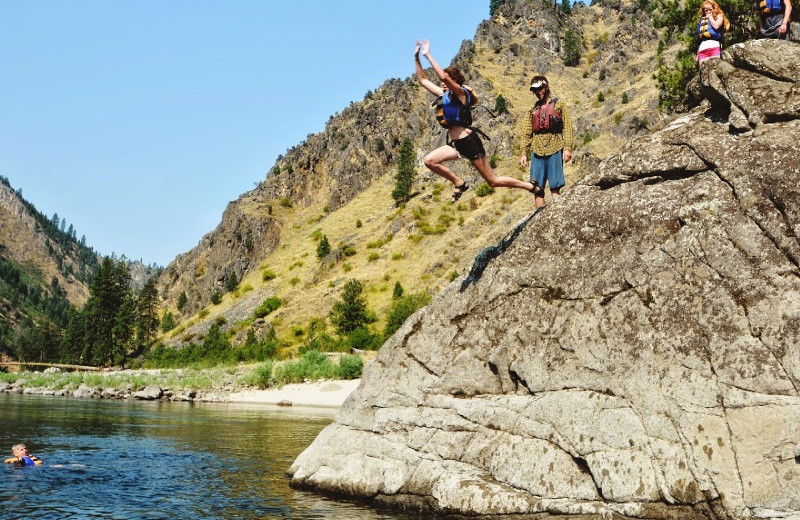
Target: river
(161, 460)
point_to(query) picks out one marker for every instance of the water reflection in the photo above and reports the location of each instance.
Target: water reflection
(131, 460)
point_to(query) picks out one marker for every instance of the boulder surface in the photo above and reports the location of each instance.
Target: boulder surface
(631, 349)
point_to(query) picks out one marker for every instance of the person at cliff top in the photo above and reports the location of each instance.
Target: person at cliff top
(547, 138)
(22, 458)
(773, 21)
(453, 103)
(711, 29)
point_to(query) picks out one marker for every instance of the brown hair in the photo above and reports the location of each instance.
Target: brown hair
(455, 75)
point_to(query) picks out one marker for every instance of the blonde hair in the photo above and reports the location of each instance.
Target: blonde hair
(716, 11)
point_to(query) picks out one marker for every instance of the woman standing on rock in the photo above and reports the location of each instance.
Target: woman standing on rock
(711, 30)
(453, 104)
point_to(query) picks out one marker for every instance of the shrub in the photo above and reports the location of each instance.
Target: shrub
(348, 250)
(294, 281)
(500, 104)
(268, 275)
(267, 306)
(600, 97)
(358, 222)
(483, 190)
(624, 98)
(350, 367)
(261, 377)
(373, 256)
(216, 297)
(312, 365)
(363, 339)
(285, 202)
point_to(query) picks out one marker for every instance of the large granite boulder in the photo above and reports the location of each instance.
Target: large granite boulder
(633, 348)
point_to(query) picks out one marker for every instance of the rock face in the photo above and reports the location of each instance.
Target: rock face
(632, 348)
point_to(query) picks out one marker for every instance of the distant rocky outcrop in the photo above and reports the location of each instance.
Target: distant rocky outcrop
(633, 349)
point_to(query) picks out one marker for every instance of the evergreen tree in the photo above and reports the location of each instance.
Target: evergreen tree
(323, 248)
(500, 104)
(351, 312)
(182, 299)
(566, 6)
(147, 309)
(398, 291)
(572, 48)
(404, 178)
(123, 331)
(494, 5)
(109, 289)
(168, 321)
(232, 282)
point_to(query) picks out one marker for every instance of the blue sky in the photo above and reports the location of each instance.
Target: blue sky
(139, 120)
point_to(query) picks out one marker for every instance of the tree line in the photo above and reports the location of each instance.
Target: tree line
(114, 324)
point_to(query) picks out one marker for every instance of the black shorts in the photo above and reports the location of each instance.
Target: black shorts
(469, 147)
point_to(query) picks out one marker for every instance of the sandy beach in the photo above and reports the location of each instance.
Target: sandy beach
(323, 394)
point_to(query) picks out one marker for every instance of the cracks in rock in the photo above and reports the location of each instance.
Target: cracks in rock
(790, 229)
(583, 466)
(650, 178)
(423, 365)
(606, 299)
(517, 380)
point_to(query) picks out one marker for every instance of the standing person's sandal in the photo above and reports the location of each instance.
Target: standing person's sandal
(458, 191)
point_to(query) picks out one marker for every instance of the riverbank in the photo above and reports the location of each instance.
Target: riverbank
(221, 384)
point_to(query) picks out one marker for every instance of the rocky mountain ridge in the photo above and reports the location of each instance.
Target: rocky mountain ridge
(630, 351)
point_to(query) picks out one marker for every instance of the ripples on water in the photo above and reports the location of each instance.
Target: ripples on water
(131, 460)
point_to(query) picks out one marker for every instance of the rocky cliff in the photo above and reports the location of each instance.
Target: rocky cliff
(633, 348)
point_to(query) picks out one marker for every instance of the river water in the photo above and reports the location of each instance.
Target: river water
(160, 460)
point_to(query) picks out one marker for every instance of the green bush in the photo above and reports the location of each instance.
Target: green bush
(267, 306)
(261, 377)
(312, 365)
(216, 297)
(483, 190)
(363, 339)
(350, 367)
(268, 275)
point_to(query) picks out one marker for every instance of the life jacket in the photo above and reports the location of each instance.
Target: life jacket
(770, 6)
(30, 460)
(545, 119)
(450, 111)
(706, 31)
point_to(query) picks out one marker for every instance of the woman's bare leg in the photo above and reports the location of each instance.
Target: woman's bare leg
(497, 181)
(433, 161)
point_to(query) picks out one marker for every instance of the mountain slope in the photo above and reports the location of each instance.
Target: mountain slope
(342, 177)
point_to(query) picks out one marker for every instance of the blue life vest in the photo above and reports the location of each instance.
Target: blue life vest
(770, 6)
(706, 31)
(450, 111)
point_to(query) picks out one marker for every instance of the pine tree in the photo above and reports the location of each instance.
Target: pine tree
(323, 248)
(232, 282)
(572, 49)
(398, 291)
(123, 331)
(182, 299)
(147, 311)
(351, 312)
(404, 178)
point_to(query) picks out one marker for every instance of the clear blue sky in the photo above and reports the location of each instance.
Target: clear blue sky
(139, 120)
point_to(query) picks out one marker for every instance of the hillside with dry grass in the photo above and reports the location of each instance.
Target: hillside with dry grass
(338, 183)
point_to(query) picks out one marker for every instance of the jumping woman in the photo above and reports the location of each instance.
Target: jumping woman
(453, 104)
